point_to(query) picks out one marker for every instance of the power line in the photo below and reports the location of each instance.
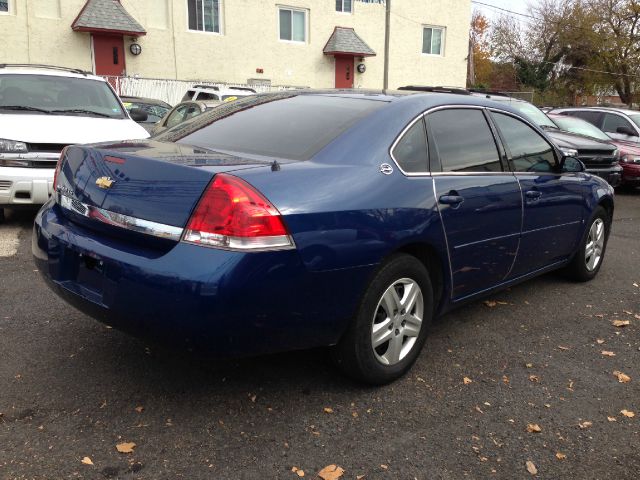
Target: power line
(503, 9)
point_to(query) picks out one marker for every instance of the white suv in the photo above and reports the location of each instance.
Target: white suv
(209, 92)
(42, 110)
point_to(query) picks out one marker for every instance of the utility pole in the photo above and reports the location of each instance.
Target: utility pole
(387, 25)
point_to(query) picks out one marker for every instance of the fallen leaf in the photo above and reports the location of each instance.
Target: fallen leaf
(599, 315)
(466, 380)
(620, 323)
(607, 354)
(126, 447)
(478, 409)
(560, 456)
(627, 312)
(253, 398)
(561, 347)
(139, 409)
(505, 380)
(529, 365)
(297, 471)
(490, 303)
(627, 413)
(384, 467)
(622, 377)
(534, 378)
(534, 428)
(331, 472)
(502, 303)
(635, 284)
(599, 341)
(328, 410)
(531, 467)
(612, 419)
(585, 425)
(87, 461)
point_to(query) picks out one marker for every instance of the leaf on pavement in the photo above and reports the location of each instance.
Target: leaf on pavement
(612, 419)
(466, 380)
(561, 347)
(607, 353)
(531, 468)
(620, 323)
(627, 413)
(534, 378)
(560, 456)
(490, 303)
(331, 472)
(126, 447)
(585, 425)
(297, 471)
(599, 341)
(505, 380)
(534, 428)
(139, 409)
(622, 377)
(328, 410)
(87, 461)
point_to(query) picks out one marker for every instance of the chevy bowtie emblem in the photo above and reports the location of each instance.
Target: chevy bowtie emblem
(105, 182)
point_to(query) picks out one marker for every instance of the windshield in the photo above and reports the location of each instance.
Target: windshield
(154, 112)
(579, 126)
(283, 125)
(534, 114)
(48, 94)
(635, 118)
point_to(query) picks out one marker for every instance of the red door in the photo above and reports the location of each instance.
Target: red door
(344, 72)
(108, 52)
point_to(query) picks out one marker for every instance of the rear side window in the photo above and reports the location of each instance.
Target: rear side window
(189, 95)
(463, 141)
(591, 117)
(529, 151)
(286, 125)
(411, 151)
(208, 96)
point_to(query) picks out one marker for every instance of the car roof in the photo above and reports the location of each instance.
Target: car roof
(49, 70)
(151, 101)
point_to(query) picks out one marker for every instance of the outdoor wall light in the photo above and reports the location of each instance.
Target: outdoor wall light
(135, 49)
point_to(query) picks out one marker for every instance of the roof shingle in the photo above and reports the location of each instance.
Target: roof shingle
(106, 15)
(346, 41)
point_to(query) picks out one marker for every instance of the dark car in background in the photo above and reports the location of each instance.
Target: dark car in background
(629, 152)
(183, 112)
(622, 126)
(154, 109)
(301, 219)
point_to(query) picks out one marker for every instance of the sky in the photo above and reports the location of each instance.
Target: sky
(514, 5)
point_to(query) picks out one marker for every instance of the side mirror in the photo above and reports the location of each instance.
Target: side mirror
(138, 115)
(627, 131)
(571, 165)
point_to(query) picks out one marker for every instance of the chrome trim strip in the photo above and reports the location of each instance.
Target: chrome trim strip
(550, 227)
(119, 220)
(492, 239)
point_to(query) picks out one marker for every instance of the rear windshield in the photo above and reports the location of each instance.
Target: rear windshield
(579, 126)
(283, 125)
(57, 95)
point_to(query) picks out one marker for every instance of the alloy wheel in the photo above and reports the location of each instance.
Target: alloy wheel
(595, 245)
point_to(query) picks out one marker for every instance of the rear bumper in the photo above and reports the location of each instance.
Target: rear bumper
(25, 186)
(228, 303)
(613, 175)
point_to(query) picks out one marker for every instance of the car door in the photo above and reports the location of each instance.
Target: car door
(552, 201)
(611, 122)
(479, 202)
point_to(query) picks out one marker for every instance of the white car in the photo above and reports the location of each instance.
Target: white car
(42, 110)
(208, 92)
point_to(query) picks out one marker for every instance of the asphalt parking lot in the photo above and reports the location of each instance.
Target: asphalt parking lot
(527, 376)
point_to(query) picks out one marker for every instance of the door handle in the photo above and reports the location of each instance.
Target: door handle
(533, 194)
(454, 200)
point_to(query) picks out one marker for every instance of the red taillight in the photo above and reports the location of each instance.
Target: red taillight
(232, 214)
(58, 166)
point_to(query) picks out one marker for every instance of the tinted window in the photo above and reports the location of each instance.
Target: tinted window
(411, 151)
(176, 116)
(529, 151)
(612, 122)
(207, 96)
(285, 125)
(464, 141)
(591, 117)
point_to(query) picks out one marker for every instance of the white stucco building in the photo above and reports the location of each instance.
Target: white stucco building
(315, 43)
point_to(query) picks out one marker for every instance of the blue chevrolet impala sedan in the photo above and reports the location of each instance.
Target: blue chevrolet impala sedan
(301, 219)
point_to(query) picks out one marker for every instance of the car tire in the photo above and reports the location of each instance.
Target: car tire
(585, 266)
(392, 320)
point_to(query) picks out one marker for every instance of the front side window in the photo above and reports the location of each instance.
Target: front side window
(432, 40)
(293, 25)
(613, 122)
(344, 6)
(411, 151)
(4, 6)
(204, 15)
(529, 151)
(463, 141)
